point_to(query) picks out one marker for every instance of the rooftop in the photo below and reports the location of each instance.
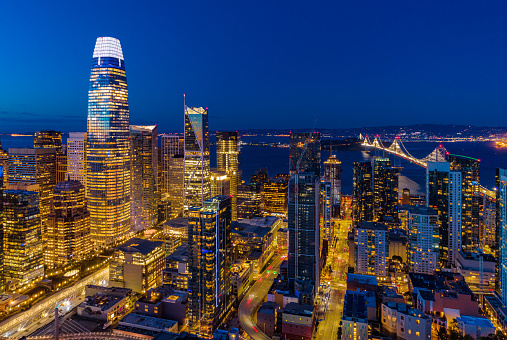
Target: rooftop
(372, 226)
(407, 310)
(138, 245)
(359, 278)
(180, 254)
(102, 301)
(419, 210)
(297, 309)
(143, 321)
(473, 320)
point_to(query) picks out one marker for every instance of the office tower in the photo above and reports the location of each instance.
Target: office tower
(76, 157)
(470, 199)
(143, 140)
(137, 264)
(107, 145)
(4, 163)
(371, 248)
(69, 224)
(501, 233)
(35, 166)
(423, 239)
(250, 200)
(362, 192)
(332, 174)
(385, 191)
(209, 243)
(259, 177)
(220, 184)
(176, 190)
(228, 161)
(53, 140)
(276, 196)
(326, 209)
(304, 230)
(304, 152)
(197, 186)
(23, 254)
(171, 145)
(443, 194)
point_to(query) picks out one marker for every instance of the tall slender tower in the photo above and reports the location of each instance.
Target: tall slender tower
(385, 190)
(501, 233)
(143, 140)
(108, 149)
(443, 194)
(228, 162)
(197, 179)
(76, 157)
(362, 193)
(332, 174)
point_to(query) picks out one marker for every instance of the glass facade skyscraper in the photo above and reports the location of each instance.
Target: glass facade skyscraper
(210, 255)
(362, 193)
(197, 179)
(228, 162)
(501, 233)
(108, 148)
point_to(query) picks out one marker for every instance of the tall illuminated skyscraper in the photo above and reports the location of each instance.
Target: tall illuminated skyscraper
(385, 190)
(35, 167)
(143, 140)
(228, 162)
(53, 140)
(4, 162)
(76, 157)
(69, 224)
(501, 233)
(197, 179)
(172, 170)
(209, 257)
(443, 194)
(304, 152)
(362, 193)
(108, 148)
(332, 174)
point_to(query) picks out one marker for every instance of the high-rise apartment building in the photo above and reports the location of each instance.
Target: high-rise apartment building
(209, 251)
(228, 162)
(220, 184)
(423, 252)
(69, 224)
(4, 163)
(326, 209)
(250, 200)
(470, 199)
(362, 192)
(332, 174)
(108, 148)
(2, 276)
(275, 193)
(176, 190)
(304, 152)
(197, 185)
(443, 194)
(385, 191)
(143, 140)
(22, 248)
(501, 233)
(371, 248)
(76, 157)
(35, 166)
(304, 229)
(53, 140)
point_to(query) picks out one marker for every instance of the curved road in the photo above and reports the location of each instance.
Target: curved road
(253, 299)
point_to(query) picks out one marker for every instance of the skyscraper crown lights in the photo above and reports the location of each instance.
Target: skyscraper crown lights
(107, 47)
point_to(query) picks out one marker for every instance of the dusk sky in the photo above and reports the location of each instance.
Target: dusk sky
(260, 64)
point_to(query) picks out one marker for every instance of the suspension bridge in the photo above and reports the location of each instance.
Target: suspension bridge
(399, 150)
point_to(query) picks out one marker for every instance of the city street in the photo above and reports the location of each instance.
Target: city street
(254, 297)
(331, 302)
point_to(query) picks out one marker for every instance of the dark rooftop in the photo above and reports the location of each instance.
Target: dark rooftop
(138, 245)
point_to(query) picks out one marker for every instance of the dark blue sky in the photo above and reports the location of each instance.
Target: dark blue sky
(260, 64)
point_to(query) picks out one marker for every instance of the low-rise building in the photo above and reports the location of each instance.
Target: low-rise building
(475, 327)
(241, 279)
(176, 268)
(443, 293)
(362, 282)
(404, 322)
(267, 316)
(137, 264)
(370, 301)
(281, 294)
(496, 311)
(255, 239)
(354, 318)
(106, 305)
(468, 265)
(143, 326)
(163, 302)
(297, 322)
